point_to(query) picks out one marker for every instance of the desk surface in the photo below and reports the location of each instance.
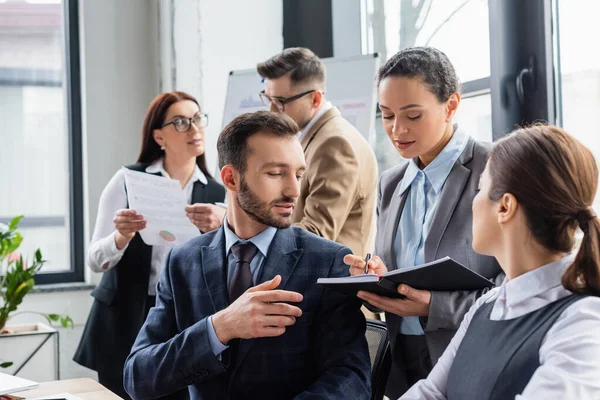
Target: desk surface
(86, 388)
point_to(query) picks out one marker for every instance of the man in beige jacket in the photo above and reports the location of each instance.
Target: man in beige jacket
(338, 190)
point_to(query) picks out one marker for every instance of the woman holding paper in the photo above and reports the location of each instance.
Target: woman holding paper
(536, 336)
(173, 147)
(424, 208)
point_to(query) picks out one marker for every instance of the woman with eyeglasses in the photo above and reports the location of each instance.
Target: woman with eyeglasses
(173, 146)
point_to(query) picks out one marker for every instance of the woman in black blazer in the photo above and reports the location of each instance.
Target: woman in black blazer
(173, 146)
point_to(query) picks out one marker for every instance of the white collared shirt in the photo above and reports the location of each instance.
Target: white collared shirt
(322, 110)
(570, 352)
(103, 253)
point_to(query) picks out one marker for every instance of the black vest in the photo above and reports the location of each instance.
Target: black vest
(119, 308)
(496, 359)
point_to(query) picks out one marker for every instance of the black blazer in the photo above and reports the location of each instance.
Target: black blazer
(324, 355)
(119, 308)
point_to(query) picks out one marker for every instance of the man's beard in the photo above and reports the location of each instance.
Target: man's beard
(259, 210)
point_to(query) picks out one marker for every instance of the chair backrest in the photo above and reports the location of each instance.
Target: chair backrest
(381, 356)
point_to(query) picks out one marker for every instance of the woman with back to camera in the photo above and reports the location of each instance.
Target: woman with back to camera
(173, 146)
(538, 335)
(424, 208)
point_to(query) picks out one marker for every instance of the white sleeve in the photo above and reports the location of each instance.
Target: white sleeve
(569, 356)
(434, 387)
(103, 253)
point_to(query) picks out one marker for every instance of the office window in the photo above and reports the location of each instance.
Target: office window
(475, 116)
(41, 132)
(459, 28)
(579, 67)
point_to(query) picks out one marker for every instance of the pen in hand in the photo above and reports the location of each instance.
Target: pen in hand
(367, 258)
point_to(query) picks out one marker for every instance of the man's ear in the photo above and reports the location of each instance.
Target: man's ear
(317, 99)
(230, 178)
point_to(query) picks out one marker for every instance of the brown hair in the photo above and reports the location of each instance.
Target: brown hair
(155, 118)
(554, 177)
(232, 143)
(303, 64)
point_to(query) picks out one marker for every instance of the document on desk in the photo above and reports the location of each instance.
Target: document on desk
(162, 203)
(59, 396)
(11, 384)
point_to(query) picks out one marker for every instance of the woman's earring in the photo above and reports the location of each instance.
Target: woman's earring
(162, 147)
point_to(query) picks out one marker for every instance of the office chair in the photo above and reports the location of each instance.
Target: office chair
(381, 356)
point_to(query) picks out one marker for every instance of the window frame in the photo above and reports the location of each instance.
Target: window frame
(72, 86)
(519, 31)
(75, 128)
(470, 89)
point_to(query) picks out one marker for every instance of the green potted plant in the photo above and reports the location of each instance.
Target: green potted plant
(17, 279)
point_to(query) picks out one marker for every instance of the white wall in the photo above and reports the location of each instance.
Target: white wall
(347, 27)
(77, 305)
(235, 34)
(121, 77)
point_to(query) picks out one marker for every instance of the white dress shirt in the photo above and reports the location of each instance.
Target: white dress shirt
(103, 253)
(570, 352)
(322, 110)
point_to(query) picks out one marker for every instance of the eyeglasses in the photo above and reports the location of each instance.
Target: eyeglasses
(280, 102)
(183, 124)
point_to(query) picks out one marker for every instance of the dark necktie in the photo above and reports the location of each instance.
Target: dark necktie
(242, 276)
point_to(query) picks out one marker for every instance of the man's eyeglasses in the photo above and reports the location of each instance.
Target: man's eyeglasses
(280, 102)
(183, 124)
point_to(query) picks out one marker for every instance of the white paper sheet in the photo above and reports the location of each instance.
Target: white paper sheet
(162, 203)
(66, 396)
(11, 384)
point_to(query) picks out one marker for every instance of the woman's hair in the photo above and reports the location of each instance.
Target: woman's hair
(426, 63)
(554, 178)
(155, 118)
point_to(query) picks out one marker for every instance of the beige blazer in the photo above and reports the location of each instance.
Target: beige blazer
(339, 189)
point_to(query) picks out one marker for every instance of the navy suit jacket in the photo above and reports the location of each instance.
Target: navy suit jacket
(324, 355)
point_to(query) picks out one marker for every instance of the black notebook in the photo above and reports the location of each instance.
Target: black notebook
(444, 274)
